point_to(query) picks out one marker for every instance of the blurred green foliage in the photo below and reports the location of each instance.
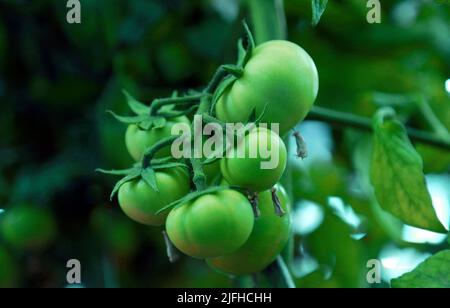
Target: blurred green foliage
(57, 80)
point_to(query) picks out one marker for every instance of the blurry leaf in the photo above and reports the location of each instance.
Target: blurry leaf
(432, 273)
(397, 177)
(318, 7)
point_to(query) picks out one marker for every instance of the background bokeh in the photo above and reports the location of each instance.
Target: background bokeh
(57, 80)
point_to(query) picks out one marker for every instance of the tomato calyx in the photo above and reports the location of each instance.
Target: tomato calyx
(192, 196)
(160, 110)
(302, 149)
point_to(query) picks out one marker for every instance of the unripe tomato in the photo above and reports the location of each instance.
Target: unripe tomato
(140, 202)
(28, 227)
(280, 74)
(138, 140)
(211, 225)
(251, 172)
(8, 270)
(269, 236)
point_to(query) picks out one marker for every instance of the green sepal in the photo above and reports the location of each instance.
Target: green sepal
(149, 176)
(115, 172)
(128, 119)
(250, 44)
(159, 122)
(136, 106)
(318, 8)
(169, 165)
(241, 53)
(253, 118)
(192, 196)
(234, 70)
(133, 174)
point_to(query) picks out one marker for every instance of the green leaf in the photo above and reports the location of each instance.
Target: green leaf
(149, 177)
(134, 173)
(397, 176)
(318, 7)
(434, 272)
(128, 119)
(136, 106)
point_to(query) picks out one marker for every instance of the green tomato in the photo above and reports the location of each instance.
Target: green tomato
(140, 202)
(116, 232)
(212, 172)
(269, 236)
(279, 74)
(260, 172)
(138, 140)
(211, 225)
(27, 227)
(8, 270)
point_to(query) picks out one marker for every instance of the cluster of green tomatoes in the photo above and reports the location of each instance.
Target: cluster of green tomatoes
(228, 211)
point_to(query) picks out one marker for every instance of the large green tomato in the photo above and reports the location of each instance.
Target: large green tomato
(211, 225)
(268, 238)
(260, 172)
(28, 227)
(140, 202)
(280, 74)
(138, 140)
(8, 270)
